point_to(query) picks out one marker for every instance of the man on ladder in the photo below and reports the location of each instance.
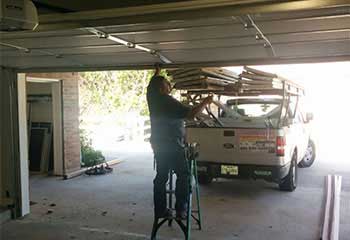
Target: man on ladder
(167, 140)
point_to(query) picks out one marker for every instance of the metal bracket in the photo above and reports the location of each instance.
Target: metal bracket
(249, 23)
(129, 44)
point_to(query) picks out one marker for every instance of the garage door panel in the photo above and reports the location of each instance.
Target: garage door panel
(40, 35)
(112, 48)
(95, 45)
(252, 52)
(316, 13)
(313, 13)
(113, 60)
(124, 29)
(187, 34)
(244, 53)
(55, 42)
(237, 30)
(79, 60)
(43, 61)
(250, 40)
(317, 24)
(310, 36)
(179, 45)
(329, 48)
(170, 25)
(294, 35)
(205, 43)
(218, 54)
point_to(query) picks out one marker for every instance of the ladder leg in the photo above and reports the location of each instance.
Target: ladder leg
(189, 208)
(154, 229)
(170, 195)
(197, 196)
(184, 225)
(156, 226)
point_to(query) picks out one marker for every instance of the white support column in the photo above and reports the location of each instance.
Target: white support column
(23, 144)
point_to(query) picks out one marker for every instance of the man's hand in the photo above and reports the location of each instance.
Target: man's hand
(157, 70)
(199, 108)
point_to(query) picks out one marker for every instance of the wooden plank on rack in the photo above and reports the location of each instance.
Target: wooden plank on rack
(262, 87)
(330, 226)
(259, 72)
(216, 81)
(336, 209)
(201, 87)
(186, 73)
(179, 71)
(207, 80)
(257, 77)
(188, 78)
(221, 73)
(250, 81)
(263, 92)
(210, 72)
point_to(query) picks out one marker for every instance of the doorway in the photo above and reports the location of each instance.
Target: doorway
(44, 124)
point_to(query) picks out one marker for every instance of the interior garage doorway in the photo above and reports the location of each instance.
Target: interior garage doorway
(44, 117)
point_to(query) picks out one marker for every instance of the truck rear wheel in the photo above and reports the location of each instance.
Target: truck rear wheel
(309, 157)
(289, 183)
(204, 178)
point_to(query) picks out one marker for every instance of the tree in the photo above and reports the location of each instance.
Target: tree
(110, 91)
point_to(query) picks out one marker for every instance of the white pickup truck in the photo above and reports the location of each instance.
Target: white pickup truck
(258, 137)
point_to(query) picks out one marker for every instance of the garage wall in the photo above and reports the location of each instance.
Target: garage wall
(40, 111)
(9, 148)
(70, 98)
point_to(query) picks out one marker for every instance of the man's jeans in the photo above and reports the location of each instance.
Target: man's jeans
(170, 157)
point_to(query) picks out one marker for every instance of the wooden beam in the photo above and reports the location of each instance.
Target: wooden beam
(330, 228)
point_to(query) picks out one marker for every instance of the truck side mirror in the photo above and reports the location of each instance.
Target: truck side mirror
(309, 116)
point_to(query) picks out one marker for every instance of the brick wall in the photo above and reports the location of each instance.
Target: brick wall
(70, 96)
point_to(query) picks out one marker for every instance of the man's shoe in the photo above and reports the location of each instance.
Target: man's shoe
(166, 214)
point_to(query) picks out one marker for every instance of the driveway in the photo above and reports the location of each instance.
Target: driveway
(119, 206)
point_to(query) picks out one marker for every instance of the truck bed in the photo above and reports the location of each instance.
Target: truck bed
(239, 146)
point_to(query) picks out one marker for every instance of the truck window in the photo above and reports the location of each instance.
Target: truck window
(255, 110)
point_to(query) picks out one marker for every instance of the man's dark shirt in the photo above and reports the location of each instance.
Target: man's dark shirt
(167, 119)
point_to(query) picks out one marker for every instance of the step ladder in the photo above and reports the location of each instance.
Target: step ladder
(191, 152)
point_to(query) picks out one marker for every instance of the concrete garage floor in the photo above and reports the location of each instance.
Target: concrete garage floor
(119, 206)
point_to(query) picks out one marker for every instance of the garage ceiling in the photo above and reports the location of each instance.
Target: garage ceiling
(80, 35)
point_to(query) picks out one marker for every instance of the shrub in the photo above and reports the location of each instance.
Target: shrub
(90, 156)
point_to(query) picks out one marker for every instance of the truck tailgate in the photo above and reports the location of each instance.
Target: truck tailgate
(235, 145)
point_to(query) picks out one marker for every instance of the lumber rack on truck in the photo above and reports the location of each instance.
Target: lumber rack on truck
(250, 83)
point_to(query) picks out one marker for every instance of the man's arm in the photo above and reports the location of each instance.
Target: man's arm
(199, 108)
